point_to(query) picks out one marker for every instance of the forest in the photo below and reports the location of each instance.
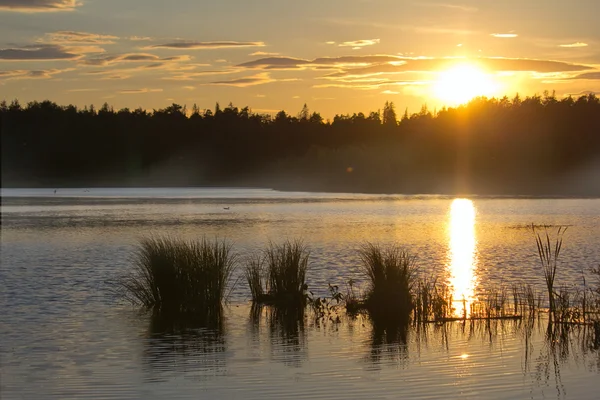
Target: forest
(538, 145)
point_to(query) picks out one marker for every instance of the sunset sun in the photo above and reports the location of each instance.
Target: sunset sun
(461, 83)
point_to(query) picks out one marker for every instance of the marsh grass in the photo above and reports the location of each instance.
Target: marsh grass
(432, 301)
(549, 252)
(255, 276)
(278, 275)
(175, 276)
(391, 273)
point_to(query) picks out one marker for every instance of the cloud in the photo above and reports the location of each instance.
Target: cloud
(67, 37)
(39, 53)
(9, 74)
(133, 57)
(263, 53)
(254, 80)
(32, 74)
(588, 75)
(275, 63)
(504, 35)
(360, 43)
(188, 76)
(38, 5)
(138, 91)
(139, 38)
(113, 59)
(576, 44)
(439, 64)
(191, 45)
(115, 77)
(317, 63)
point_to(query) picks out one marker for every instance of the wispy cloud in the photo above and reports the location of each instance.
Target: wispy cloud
(191, 45)
(138, 91)
(39, 52)
(32, 74)
(38, 5)
(439, 64)
(359, 43)
(133, 57)
(588, 75)
(263, 53)
(576, 44)
(258, 79)
(188, 76)
(508, 35)
(275, 63)
(139, 38)
(68, 37)
(318, 63)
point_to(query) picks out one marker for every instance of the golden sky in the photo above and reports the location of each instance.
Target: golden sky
(338, 56)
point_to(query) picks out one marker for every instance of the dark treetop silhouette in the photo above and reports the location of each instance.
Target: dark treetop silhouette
(534, 146)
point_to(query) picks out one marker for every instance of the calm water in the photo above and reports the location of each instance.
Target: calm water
(63, 335)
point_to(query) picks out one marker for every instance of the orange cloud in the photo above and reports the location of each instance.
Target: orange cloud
(32, 6)
(192, 45)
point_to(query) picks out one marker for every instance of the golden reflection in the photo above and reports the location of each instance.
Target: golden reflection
(462, 255)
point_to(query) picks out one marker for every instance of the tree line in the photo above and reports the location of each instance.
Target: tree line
(532, 145)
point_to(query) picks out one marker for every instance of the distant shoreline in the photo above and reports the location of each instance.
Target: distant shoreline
(90, 193)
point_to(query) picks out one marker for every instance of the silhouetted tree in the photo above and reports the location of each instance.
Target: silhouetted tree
(389, 114)
(523, 145)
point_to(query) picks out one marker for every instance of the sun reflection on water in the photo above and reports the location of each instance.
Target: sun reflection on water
(462, 255)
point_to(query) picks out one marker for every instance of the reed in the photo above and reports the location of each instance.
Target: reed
(255, 276)
(177, 276)
(278, 275)
(549, 253)
(391, 275)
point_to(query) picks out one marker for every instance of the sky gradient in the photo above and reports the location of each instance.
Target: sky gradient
(338, 56)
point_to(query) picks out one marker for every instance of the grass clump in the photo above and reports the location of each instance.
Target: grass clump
(176, 276)
(391, 274)
(278, 275)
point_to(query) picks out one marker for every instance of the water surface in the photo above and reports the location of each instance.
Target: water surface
(64, 335)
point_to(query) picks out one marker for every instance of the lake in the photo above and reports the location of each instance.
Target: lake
(65, 335)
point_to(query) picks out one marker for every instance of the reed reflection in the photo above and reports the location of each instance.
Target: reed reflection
(184, 345)
(462, 255)
(286, 332)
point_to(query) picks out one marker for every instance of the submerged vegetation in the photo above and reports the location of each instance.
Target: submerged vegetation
(534, 145)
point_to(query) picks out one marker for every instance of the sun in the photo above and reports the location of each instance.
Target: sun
(463, 82)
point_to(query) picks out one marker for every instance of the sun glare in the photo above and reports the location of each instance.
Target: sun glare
(462, 254)
(463, 82)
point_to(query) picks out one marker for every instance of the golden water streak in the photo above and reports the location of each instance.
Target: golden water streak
(462, 252)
